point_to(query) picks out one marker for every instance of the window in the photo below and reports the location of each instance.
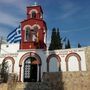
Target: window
(33, 14)
(34, 36)
(35, 28)
(27, 34)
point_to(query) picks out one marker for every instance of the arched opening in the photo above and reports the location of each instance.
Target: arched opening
(35, 34)
(27, 34)
(30, 69)
(33, 14)
(10, 65)
(53, 63)
(30, 62)
(73, 64)
(35, 28)
(10, 62)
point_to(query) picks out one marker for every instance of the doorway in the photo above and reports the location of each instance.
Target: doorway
(30, 70)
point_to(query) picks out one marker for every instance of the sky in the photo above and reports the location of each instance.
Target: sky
(72, 17)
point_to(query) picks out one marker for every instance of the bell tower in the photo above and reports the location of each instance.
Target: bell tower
(33, 29)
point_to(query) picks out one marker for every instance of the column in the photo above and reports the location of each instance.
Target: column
(59, 66)
(20, 66)
(79, 65)
(13, 68)
(40, 73)
(37, 72)
(66, 65)
(47, 66)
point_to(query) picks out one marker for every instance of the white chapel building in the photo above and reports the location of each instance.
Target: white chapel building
(30, 58)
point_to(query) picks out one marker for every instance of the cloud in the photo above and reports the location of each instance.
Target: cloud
(3, 32)
(69, 13)
(7, 1)
(11, 11)
(68, 9)
(20, 4)
(11, 14)
(8, 19)
(86, 29)
(66, 5)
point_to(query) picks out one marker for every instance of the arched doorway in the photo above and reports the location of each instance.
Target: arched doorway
(30, 69)
(30, 62)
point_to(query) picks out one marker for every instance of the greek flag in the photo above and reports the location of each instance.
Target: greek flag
(14, 36)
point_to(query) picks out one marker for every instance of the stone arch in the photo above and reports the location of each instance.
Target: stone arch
(30, 54)
(24, 57)
(32, 11)
(51, 56)
(73, 54)
(24, 28)
(36, 25)
(12, 60)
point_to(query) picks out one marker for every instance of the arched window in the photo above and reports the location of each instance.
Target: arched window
(33, 14)
(35, 28)
(27, 34)
(34, 34)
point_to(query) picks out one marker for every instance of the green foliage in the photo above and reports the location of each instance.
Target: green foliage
(67, 45)
(55, 40)
(79, 45)
(59, 40)
(4, 71)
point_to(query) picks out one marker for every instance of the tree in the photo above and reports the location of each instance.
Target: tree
(4, 71)
(55, 40)
(59, 40)
(67, 45)
(79, 45)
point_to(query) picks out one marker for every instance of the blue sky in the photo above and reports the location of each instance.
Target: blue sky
(72, 17)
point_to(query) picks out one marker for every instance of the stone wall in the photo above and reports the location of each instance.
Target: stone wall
(3, 86)
(69, 80)
(55, 81)
(87, 56)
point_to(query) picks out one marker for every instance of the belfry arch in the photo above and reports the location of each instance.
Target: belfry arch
(36, 62)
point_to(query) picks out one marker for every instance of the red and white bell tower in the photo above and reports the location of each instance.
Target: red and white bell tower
(33, 29)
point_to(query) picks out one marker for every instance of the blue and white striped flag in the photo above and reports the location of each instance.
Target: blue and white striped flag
(14, 36)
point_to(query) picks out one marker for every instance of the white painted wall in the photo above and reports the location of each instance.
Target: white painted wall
(13, 51)
(9, 48)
